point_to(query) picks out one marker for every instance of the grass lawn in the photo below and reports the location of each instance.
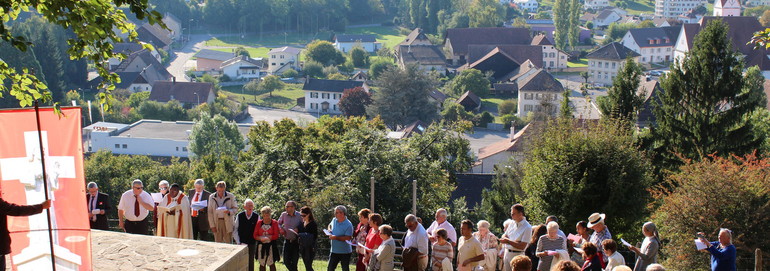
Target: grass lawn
(284, 98)
(639, 7)
(387, 35)
(490, 104)
(582, 63)
(317, 265)
(253, 52)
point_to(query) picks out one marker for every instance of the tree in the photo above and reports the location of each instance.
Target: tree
(599, 168)
(622, 100)
(215, 136)
(507, 107)
(561, 23)
(706, 100)
(240, 51)
(506, 189)
(379, 66)
(454, 112)
(574, 23)
(270, 83)
(290, 73)
(565, 111)
(616, 31)
(484, 118)
(585, 76)
(765, 19)
(313, 69)
(403, 97)
(485, 13)
(360, 57)
(336, 76)
(511, 120)
(542, 15)
(470, 80)
(354, 101)
(738, 191)
(323, 52)
(92, 24)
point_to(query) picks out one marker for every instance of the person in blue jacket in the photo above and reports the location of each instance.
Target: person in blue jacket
(722, 252)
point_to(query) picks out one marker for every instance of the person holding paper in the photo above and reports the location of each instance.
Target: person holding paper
(611, 250)
(243, 232)
(648, 254)
(157, 198)
(549, 246)
(98, 206)
(362, 229)
(517, 236)
(340, 229)
(288, 223)
(382, 257)
(601, 232)
(134, 207)
(266, 233)
(221, 218)
(469, 251)
(200, 220)
(373, 239)
(723, 252)
(174, 215)
(488, 244)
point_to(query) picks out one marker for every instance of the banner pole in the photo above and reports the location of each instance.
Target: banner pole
(45, 185)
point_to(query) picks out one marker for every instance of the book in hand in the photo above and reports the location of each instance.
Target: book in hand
(198, 205)
(574, 238)
(351, 243)
(327, 232)
(625, 243)
(700, 245)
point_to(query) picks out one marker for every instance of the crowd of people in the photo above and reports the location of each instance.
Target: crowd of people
(522, 246)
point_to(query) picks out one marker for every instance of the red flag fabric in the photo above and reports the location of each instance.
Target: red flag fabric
(21, 182)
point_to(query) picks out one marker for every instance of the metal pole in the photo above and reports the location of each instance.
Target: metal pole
(414, 197)
(45, 185)
(371, 194)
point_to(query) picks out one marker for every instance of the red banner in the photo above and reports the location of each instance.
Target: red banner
(21, 182)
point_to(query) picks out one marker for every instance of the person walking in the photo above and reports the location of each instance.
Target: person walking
(648, 253)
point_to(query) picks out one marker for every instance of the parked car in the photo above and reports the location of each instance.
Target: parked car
(656, 73)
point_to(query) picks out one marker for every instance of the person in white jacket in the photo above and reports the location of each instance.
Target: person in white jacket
(614, 258)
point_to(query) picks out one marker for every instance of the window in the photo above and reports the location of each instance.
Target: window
(125, 146)
(273, 64)
(117, 146)
(613, 65)
(551, 63)
(335, 107)
(314, 95)
(281, 63)
(606, 65)
(553, 55)
(324, 95)
(272, 56)
(591, 63)
(281, 56)
(184, 149)
(527, 107)
(545, 55)
(177, 148)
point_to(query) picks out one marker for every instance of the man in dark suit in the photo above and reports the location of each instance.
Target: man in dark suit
(6, 209)
(98, 206)
(200, 222)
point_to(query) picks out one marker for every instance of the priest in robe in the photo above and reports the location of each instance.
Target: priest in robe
(174, 215)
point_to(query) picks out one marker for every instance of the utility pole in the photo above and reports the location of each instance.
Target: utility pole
(371, 194)
(414, 197)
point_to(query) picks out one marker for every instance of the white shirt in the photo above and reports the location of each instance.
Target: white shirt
(450, 230)
(518, 232)
(127, 203)
(418, 239)
(236, 236)
(615, 260)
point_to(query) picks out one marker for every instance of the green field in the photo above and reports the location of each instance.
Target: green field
(253, 52)
(284, 98)
(581, 63)
(317, 265)
(639, 7)
(388, 36)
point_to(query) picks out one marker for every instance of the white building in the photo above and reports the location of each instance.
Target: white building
(553, 58)
(673, 8)
(604, 63)
(596, 4)
(608, 16)
(345, 42)
(727, 8)
(282, 59)
(174, 25)
(655, 44)
(527, 5)
(144, 137)
(538, 91)
(323, 96)
(502, 151)
(242, 68)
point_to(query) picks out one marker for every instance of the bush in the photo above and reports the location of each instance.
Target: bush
(510, 118)
(572, 174)
(454, 112)
(484, 118)
(378, 67)
(313, 69)
(224, 78)
(507, 107)
(710, 194)
(290, 73)
(330, 70)
(359, 57)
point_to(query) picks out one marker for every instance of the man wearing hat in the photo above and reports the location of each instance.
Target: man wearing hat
(516, 236)
(601, 232)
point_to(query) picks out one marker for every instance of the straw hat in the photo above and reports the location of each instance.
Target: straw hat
(595, 218)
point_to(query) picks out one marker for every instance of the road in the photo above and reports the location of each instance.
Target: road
(583, 107)
(180, 64)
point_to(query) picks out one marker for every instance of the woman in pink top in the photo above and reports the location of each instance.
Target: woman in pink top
(373, 239)
(359, 236)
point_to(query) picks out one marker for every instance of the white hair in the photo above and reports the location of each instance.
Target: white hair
(621, 268)
(655, 267)
(507, 222)
(729, 233)
(137, 181)
(442, 211)
(162, 182)
(552, 226)
(410, 218)
(247, 201)
(199, 181)
(92, 185)
(483, 224)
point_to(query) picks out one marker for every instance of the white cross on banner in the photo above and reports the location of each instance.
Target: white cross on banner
(22, 183)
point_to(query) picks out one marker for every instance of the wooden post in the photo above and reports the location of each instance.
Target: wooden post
(757, 260)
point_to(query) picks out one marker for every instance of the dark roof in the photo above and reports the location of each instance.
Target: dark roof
(605, 13)
(355, 38)
(470, 186)
(505, 88)
(215, 55)
(469, 100)
(424, 54)
(330, 85)
(496, 61)
(539, 80)
(541, 39)
(741, 31)
(126, 47)
(655, 35)
(418, 127)
(184, 92)
(519, 53)
(152, 72)
(415, 35)
(612, 51)
(153, 34)
(690, 30)
(256, 62)
(143, 55)
(126, 79)
(287, 49)
(461, 38)
(650, 91)
(438, 95)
